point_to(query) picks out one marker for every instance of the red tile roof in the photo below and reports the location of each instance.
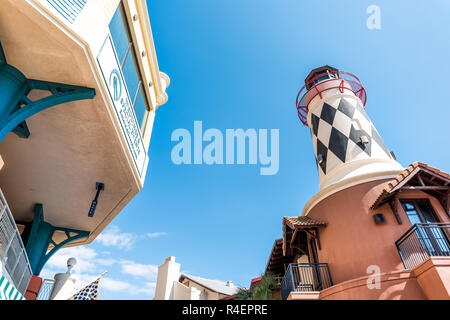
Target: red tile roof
(302, 221)
(406, 175)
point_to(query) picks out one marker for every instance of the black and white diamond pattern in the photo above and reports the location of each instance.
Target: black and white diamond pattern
(338, 130)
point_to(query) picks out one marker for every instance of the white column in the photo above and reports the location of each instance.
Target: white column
(167, 274)
(63, 287)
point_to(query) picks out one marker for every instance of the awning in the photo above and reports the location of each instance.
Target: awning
(418, 176)
(295, 230)
(8, 291)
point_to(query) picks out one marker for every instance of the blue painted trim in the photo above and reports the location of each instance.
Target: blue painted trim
(22, 130)
(69, 9)
(15, 107)
(40, 238)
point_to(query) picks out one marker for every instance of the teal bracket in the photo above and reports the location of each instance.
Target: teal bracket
(40, 239)
(16, 107)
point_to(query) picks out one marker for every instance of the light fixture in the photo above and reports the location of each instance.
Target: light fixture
(379, 218)
(364, 139)
(319, 158)
(99, 186)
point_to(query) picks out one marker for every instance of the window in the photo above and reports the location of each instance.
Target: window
(125, 50)
(322, 75)
(419, 211)
(432, 238)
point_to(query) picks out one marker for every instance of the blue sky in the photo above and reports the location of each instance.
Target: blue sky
(239, 64)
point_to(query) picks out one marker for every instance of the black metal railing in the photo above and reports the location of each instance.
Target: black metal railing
(423, 240)
(305, 277)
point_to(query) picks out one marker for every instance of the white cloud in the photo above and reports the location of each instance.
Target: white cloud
(85, 258)
(83, 279)
(116, 285)
(106, 261)
(127, 288)
(147, 271)
(47, 273)
(91, 263)
(156, 234)
(148, 288)
(109, 284)
(113, 237)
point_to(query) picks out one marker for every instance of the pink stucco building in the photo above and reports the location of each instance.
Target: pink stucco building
(375, 230)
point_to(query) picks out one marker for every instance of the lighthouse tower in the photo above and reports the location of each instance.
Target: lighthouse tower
(348, 148)
(370, 216)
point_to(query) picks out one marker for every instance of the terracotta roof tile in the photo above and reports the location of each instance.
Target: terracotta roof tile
(277, 259)
(402, 176)
(303, 221)
(298, 222)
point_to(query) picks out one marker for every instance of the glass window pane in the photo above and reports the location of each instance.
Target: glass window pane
(140, 108)
(411, 212)
(414, 218)
(130, 73)
(426, 212)
(119, 33)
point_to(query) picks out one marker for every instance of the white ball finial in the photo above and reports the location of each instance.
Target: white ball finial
(71, 262)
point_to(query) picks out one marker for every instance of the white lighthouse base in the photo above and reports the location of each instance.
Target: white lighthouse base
(351, 174)
(359, 168)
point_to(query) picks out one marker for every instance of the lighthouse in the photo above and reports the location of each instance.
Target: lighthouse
(371, 218)
(347, 146)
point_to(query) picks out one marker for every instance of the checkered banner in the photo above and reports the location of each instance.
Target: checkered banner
(342, 132)
(89, 292)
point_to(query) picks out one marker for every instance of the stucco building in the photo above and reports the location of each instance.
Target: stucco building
(173, 285)
(375, 230)
(79, 88)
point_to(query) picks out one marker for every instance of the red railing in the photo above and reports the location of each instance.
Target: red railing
(344, 77)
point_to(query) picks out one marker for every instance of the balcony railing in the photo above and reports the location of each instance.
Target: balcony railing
(45, 290)
(423, 240)
(12, 251)
(305, 277)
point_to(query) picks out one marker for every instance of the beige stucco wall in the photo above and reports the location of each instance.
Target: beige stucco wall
(74, 145)
(398, 285)
(433, 276)
(207, 294)
(430, 280)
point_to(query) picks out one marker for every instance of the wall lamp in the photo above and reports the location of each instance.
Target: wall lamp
(100, 187)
